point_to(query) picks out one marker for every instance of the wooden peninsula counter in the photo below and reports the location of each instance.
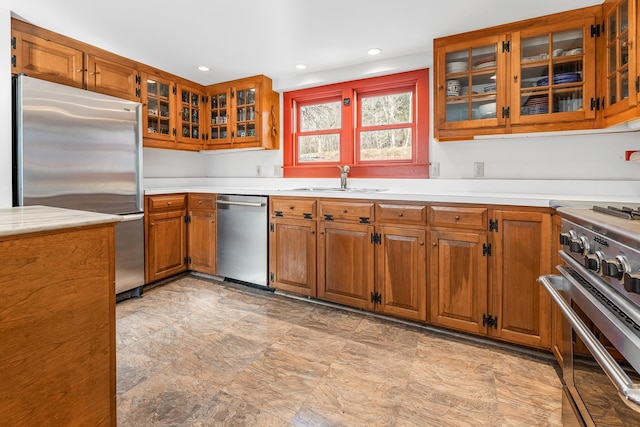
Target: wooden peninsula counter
(57, 317)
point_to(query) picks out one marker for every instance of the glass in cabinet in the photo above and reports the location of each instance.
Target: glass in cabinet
(219, 115)
(158, 117)
(189, 115)
(470, 87)
(619, 65)
(553, 74)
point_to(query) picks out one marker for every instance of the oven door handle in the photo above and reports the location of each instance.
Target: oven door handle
(626, 388)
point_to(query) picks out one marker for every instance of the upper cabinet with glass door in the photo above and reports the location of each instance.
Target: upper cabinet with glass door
(190, 107)
(158, 116)
(618, 67)
(528, 76)
(470, 85)
(243, 114)
(554, 74)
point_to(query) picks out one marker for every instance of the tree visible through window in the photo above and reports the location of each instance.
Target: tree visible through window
(378, 126)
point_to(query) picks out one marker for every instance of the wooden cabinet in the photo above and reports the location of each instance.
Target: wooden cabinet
(618, 62)
(201, 233)
(243, 113)
(346, 263)
(521, 253)
(45, 59)
(190, 108)
(526, 76)
(165, 237)
(484, 279)
(292, 245)
(49, 56)
(115, 77)
(57, 327)
(158, 110)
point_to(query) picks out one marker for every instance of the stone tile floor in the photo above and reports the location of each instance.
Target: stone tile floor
(195, 352)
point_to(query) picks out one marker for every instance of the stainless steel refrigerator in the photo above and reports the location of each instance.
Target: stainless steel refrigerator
(82, 150)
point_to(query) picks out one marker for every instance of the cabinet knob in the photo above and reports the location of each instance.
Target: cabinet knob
(169, 203)
(434, 244)
(81, 70)
(152, 224)
(199, 202)
(94, 73)
(322, 232)
(421, 243)
(292, 207)
(313, 232)
(344, 211)
(515, 79)
(401, 214)
(457, 217)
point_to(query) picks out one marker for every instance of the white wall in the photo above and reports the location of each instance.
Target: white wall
(5, 109)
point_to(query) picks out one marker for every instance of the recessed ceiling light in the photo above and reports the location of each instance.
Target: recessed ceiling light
(374, 51)
(204, 68)
(301, 66)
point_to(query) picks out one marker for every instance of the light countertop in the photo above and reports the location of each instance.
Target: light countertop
(31, 219)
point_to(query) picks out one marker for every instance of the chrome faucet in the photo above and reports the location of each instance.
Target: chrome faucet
(344, 171)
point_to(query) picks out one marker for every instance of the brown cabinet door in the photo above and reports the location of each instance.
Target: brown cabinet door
(401, 272)
(113, 78)
(158, 111)
(458, 286)
(189, 104)
(48, 60)
(522, 254)
(166, 248)
(346, 263)
(292, 259)
(202, 241)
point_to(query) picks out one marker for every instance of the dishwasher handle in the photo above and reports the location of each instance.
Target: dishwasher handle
(251, 204)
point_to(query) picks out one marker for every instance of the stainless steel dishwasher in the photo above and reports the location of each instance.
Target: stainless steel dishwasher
(242, 238)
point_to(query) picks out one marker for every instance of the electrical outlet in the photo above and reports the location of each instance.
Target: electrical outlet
(258, 170)
(478, 169)
(435, 169)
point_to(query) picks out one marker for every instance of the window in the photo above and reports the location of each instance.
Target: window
(378, 126)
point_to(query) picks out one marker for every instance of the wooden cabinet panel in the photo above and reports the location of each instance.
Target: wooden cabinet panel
(473, 218)
(522, 254)
(113, 78)
(401, 213)
(346, 263)
(292, 259)
(292, 207)
(201, 233)
(346, 210)
(48, 60)
(190, 109)
(169, 201)
(459, 280)
(243, 113)
(57, 328)
(158, 110)
(401, 272)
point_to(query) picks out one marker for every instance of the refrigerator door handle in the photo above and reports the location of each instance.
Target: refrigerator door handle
(132, 217)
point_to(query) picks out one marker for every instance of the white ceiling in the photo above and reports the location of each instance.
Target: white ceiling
(242, 38)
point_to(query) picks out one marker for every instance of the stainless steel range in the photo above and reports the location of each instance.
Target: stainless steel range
(598, 292)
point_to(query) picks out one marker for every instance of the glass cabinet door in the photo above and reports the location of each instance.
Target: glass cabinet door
(620, 69)
(158, 118)
(470, 84)
(552, 81)
(219, 112)
(189, 116)
(245, 113)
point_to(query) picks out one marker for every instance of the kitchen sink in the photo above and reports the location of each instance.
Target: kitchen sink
(344, 190)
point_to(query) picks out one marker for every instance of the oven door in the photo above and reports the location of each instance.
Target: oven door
(600, 389)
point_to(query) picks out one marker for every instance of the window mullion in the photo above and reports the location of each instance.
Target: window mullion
(347, 137)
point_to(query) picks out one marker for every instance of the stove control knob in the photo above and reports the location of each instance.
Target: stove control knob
(613, 268)
(565, 238)
(579, 245)
(593, 261)
(632, 282)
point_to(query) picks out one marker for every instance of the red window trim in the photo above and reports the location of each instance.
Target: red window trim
(419, 168)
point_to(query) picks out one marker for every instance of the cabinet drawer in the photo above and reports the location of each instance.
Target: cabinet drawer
(458, 217)
(290, 207)
(350, 211)
(202, 201)
(405, 214)
(170, 201)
